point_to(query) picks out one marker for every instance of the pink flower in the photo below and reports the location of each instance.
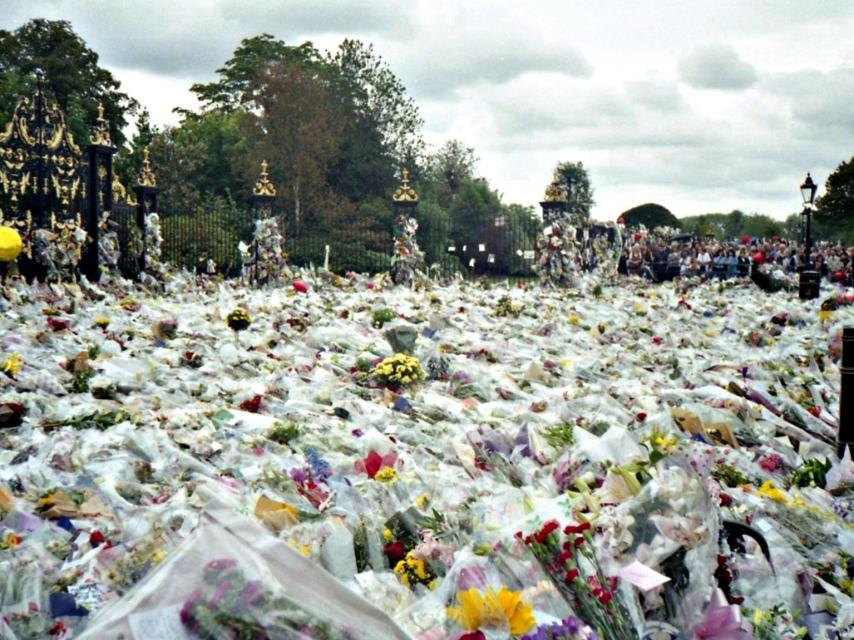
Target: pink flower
(771, 462)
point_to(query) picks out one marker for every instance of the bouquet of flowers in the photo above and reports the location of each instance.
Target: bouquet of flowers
(399, 370)
(228, 605)
(569, 559)
(238, 320)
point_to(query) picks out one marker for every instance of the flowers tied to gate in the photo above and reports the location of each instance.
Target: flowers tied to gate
(504, 609)
(238, 320)
(399, 370)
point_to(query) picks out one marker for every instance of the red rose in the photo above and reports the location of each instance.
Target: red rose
(641, 416)
(252, 405)
(395, 552)
(96, 538)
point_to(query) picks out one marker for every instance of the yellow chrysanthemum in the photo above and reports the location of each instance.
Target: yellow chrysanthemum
(12, 365)
(492, 609)
(773, 493)
(386, 474)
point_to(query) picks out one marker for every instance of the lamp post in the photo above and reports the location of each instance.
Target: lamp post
(809, 280)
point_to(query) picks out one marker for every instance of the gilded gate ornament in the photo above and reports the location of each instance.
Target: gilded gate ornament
(146, 177)
(39, 160)
(264, 187)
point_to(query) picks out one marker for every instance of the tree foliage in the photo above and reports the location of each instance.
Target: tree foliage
(835, 209)
(650, 215)
(73, 77)
(573, 179)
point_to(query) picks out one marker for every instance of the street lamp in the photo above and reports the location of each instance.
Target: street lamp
(809, 281)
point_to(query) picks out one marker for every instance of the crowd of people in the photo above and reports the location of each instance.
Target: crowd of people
(659, 259)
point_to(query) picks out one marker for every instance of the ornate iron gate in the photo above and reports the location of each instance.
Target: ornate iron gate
(50, 190)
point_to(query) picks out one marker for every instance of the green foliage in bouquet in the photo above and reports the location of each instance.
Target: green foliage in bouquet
(283, 433)
(505, 308)
(812, 473)
(382, 315)
(729, 475)
(560, 435)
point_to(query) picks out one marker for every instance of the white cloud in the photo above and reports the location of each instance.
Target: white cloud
(624, 87)
(716, 67)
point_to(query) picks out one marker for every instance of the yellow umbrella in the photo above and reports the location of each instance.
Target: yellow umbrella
(10, 244)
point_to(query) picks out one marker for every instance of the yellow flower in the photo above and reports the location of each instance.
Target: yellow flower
(102, 321)
(12, 365)
(773, 493)
(422, 500)
(825, 314)
(387, 535)
(573, 319)
(504, 608)
(386, 474)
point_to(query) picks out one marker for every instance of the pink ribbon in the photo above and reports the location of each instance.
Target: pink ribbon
(723, 621)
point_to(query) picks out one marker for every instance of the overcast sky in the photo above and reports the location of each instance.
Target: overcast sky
(700, 106)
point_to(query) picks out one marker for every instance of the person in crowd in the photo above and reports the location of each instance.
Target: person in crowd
(743, 263)
(635, 261)
(704, 260)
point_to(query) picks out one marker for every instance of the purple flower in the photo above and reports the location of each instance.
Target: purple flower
(191, 602)
(358, 433)
(219, 594)
(299, 475)
(250, 595)
(221, 564)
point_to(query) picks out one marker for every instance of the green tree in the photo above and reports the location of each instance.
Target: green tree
(650, 215)
(298, 132)
(240, 78)
(72, 75)
(573, 179)
(447, 169)
(380, 97)
(835, 209)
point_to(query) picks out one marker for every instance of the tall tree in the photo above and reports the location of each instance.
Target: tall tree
(835, 210)
(379, 95)
(447, 169)
(573, 179)
(72, 75)
(240, 78)
(650, 215)
(299, 134)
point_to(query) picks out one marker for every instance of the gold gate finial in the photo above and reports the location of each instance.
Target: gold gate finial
(101, 132)
(264, 187)
(146, 177)
(405, 192)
